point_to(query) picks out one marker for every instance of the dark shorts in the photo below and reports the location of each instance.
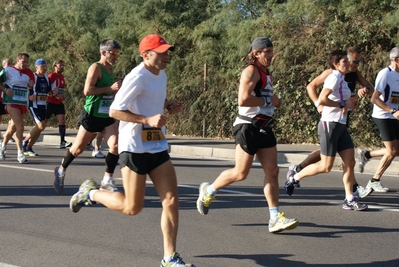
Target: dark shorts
(94, 124)
(2, 109)
(55, 109)
(251, 139)
(38, 114)
(389, 128)
(334, 137)
(143, 163)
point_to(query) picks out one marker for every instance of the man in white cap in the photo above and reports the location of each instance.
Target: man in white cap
(139, 106)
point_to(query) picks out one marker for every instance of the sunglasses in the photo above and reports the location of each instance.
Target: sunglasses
(357, 62)
(113, 53)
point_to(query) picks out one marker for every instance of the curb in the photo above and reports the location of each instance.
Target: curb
(284, 158)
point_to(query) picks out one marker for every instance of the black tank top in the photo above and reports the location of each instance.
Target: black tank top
(351, 79)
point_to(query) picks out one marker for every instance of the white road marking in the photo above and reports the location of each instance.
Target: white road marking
(2, 264)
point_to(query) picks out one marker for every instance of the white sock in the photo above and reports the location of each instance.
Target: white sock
(349, 198)
(61, 172)
(91, 194)
(106, 179)
(210, 190)
(296, 178)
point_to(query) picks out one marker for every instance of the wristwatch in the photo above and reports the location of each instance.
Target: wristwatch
(393, 110)
(341, 104)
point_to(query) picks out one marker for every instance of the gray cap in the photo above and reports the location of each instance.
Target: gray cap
(260, 43)
(394, 53)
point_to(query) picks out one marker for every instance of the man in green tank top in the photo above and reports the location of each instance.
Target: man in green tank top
(100, 89)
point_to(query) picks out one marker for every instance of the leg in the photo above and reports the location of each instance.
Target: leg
(165, 182)
(18, 122)
(243, 163)
(36, 131)
(313, 157)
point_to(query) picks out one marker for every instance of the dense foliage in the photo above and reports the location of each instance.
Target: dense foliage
(211, 38)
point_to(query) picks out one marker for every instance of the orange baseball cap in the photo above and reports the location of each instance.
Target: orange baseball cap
(154, 43)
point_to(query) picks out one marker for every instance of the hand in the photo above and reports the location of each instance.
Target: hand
(173, 106)
(9, 92)
(277, 102)
(116, 86)
(362, 92)
(157, 121)
(320, 108)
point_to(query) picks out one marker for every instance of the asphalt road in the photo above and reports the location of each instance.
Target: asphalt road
(38, 229)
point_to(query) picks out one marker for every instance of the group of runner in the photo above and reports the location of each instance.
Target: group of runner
(21, 89)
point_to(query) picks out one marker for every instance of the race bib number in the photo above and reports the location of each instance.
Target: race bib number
(394, 99)
(104, 106)
(19, 93)
(41, 99)
(152, 134)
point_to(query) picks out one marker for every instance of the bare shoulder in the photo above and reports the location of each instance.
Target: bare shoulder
(250, 73)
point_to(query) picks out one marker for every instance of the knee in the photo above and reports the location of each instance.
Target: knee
(132, 210)
(171, 202)
(240, 176)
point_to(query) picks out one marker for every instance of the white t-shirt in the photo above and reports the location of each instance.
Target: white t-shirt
(387, 83)
(142, 93)
(340, 92)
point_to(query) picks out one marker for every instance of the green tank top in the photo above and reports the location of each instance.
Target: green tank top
(98, 105)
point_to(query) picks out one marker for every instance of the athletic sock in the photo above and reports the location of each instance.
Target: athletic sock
(106, 179)
(211, 190)
(349, 198)
(91, 194)
(375, 180)
(273, 213)
(354, 188)
(367, 155)
(296, 178)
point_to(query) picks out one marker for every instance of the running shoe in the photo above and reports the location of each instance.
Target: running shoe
(204, 199)
(2, 152)
(377, 187)
(81, 198)
(292, 170)
(58, 181)
(362, 159)
(362, 192)
(110, 186)
(290, 184)
(65, 144)
(24, 146)
(281, 223)
(354, 205)
(176, 261)
(21, 157)
(29, 152)
(97, 154)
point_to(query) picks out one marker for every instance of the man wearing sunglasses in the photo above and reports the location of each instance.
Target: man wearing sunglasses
(352, 78)
(100, 89)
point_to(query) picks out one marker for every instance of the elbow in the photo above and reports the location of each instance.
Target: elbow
(112, 113)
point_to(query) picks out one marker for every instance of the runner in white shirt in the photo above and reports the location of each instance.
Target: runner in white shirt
(333, 133)
(142, 145)
(385, 115)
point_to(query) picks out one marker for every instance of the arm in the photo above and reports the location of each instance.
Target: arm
(314, 84)
(158, 120)
(249, 77)
(367, 88)
(93, 75)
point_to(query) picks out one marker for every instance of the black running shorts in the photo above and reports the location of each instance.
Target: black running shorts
(143, 163)
(334, 137)
(251, 139)
(94, 124)
(389, 128)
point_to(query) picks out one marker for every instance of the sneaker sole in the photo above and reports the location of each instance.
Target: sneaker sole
(349, 208)
(379, 191)
(60, 192)
(73, 203)
(291, 226)
(289, 188)
(199, 202)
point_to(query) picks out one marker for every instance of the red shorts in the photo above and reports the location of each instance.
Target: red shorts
(22, 108)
